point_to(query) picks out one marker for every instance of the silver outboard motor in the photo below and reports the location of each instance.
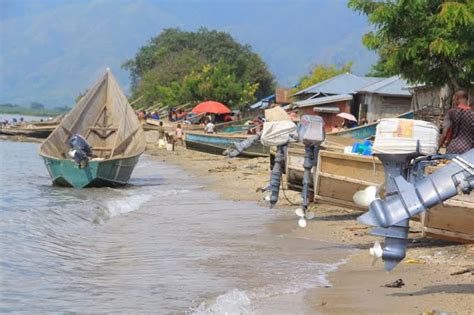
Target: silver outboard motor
(311, 134)
(80, 150)
(405, 199)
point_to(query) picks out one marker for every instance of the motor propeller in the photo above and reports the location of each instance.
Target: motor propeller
(376, 252)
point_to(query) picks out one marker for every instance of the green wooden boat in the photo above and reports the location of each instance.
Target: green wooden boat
(105, 119)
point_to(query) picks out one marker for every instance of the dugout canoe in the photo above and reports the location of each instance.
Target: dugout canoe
(108, 123)
(217, 143)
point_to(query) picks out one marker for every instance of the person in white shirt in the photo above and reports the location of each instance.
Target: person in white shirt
(209, 127)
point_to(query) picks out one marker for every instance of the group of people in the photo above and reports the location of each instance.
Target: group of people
(144, 115)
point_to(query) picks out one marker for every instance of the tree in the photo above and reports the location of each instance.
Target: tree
(426, 41)
(36, 105)
(321, 73)
(78, 98)
(163, 69)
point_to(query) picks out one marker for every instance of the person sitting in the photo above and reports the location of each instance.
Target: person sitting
(209, 127)
(155, 116)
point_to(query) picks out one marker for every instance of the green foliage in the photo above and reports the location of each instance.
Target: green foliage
(14, 109)
(180, 67)
(427, 41)
(321, 73)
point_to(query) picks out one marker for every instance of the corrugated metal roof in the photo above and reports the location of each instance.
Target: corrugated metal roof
(323, 100)
(391, 86)
(263, 103)
(345, 83)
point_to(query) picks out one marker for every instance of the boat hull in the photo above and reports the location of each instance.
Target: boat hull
(107, 173)
(366, 131)
(218, 143)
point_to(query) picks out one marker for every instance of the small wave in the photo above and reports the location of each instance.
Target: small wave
(232, 302)
(129, 201)
(237, 301)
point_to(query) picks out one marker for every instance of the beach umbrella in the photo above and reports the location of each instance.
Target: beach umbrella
(211, 107)
(347, 116)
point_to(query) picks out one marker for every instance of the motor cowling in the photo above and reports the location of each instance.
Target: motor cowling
(80, 150)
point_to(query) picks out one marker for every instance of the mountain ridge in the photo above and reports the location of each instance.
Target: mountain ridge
(54, 50)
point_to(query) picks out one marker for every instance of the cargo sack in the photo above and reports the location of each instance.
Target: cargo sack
(311, 130)
(401, 136)
(277, 133)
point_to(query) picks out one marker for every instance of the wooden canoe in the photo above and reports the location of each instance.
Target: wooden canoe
(295, 157)
(106, 120)
(29, 130)
(339, 176)
(452, 220)
(365, 131)
(217, 143)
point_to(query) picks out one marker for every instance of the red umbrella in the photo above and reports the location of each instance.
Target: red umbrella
(211, 107)
(347, 116)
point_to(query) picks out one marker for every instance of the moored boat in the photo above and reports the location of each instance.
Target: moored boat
(365, 131)
(31, 131)
(218, 143)
(106, 121)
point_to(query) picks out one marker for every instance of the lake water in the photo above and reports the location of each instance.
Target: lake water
(161, 245)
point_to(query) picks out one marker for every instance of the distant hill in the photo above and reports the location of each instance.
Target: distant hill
(52, 50)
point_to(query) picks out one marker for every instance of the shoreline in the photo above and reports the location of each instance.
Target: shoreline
(356, 285)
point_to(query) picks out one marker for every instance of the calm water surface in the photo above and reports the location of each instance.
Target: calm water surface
(161, 245)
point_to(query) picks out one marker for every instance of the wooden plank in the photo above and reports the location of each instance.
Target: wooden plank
(455, 219)
(448, 235)
(339, 176)
(338, 202)
(347, 179)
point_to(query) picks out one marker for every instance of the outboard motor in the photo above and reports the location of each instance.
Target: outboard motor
(279, 134)
(80, 150)
(311, 134)
(238, 147)
(408, 192)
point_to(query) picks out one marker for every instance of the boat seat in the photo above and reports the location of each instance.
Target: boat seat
(101, 149)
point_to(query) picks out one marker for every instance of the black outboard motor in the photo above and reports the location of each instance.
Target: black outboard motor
(80, 151)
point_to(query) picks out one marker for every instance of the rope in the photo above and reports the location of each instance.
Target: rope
(286, 197)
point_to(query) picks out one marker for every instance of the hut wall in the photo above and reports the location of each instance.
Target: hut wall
(330, 119)
(381, 106)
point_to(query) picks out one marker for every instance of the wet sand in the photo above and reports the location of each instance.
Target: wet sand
(356, 285)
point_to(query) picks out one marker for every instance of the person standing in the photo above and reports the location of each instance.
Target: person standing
(179, 134)
(458, 125)
(209, 127)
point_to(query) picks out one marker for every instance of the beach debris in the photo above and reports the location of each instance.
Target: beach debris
(222, 169)
(395, 284)
(413, 261)
(463, 271)
(435, 312)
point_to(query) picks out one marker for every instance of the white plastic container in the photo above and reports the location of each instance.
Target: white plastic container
(401, 136)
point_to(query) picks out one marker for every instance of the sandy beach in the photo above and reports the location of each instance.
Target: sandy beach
(357, 286)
